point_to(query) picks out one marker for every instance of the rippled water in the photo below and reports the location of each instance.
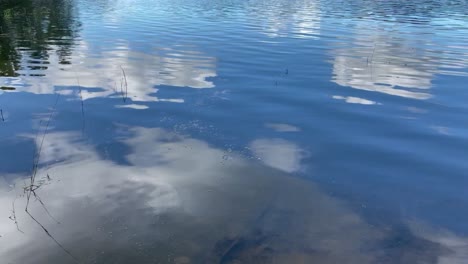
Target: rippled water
(233, 131)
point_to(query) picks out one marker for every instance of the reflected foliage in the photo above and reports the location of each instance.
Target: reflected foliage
(30, 30)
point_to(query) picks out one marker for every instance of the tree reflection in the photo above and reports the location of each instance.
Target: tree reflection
(31, 30)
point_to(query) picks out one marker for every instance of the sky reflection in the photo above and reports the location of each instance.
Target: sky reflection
(385, 57)
(196, 206)
(286, 131)
(143, 73)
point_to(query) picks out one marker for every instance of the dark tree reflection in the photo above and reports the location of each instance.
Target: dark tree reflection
(31, 30)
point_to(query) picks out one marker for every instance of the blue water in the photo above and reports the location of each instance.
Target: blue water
(260, 131)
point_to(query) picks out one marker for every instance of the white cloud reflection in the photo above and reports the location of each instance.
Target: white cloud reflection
(278, 153)
(279, 127)
(354, 100)
(388, 58)
(102, 72)
(133, 106)
(178, 196)
(301, 19)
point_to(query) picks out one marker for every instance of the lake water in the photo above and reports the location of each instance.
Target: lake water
(234, 131)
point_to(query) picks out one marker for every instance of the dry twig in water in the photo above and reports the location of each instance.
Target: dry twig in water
(124, 94)
(13, 217)
(81, 100)
(31, 189)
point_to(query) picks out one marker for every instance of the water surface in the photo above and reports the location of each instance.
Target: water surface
(260, 131)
